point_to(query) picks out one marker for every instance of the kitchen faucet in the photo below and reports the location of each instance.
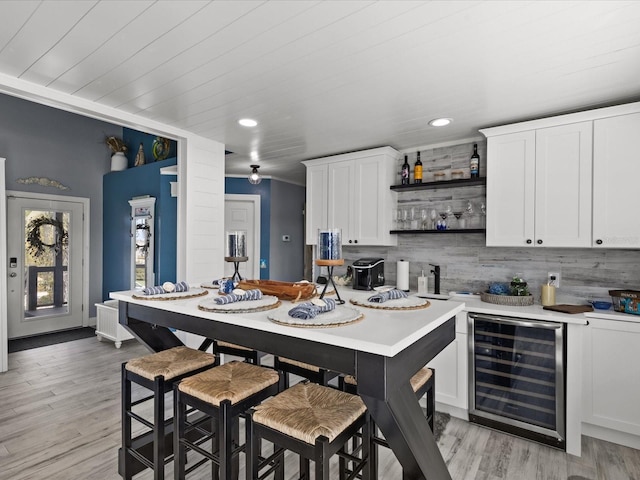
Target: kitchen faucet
(436, 273)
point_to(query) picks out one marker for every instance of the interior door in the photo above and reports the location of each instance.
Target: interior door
(242, 212)
(45, 253)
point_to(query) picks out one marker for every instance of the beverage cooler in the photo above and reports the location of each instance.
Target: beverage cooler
(517, 377)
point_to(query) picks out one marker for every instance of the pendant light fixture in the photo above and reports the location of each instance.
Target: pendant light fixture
(254, 176)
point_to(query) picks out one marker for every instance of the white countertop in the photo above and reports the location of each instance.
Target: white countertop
(383, 332)
(535, 312)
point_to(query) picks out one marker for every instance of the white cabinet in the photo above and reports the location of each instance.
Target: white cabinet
(616, 188)
(611, 381)
(107, 325)
(451, 367)
(316, 203)
(351, 192)
(539, 187)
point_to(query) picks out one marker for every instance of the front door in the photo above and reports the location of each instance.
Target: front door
(45, 257)
(242, 212)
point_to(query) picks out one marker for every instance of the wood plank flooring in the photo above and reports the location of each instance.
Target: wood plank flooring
(60, 419)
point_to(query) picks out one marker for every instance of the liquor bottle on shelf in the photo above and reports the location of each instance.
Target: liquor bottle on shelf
(417, 170)
(474, 162)
(405, 171)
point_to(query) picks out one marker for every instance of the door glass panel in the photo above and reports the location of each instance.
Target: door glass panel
(46, 262)
(143, 242)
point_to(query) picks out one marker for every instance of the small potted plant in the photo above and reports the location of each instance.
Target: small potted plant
(118, 158)
(519, 287)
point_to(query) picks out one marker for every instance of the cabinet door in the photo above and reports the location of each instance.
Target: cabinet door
(340, 201)
(373, 200)
(316, 208)
(616, 174)
(563, 186)
(510, 189)
(611, 379)
(451, 367)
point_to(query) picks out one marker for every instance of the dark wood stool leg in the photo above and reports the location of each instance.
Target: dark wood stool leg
(322, 459)
(179, 450)
(252, 449)
(158, 431)
(304, 469)
(126, 424)
(225, 434)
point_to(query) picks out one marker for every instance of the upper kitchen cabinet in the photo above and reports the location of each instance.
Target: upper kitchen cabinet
(351, 192)
(539, 187)
(616, 170)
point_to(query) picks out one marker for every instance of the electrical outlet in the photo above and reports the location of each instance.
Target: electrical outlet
(553, 278)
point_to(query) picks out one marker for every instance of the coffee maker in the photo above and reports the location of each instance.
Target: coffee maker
(368, 273)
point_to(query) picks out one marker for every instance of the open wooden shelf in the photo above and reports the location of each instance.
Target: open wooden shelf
(463, 182)
(466, 230)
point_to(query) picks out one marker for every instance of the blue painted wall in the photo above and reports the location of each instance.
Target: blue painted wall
(242, 186)
(119, 188)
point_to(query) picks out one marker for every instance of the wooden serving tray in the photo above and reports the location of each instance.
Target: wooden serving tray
(564, 308)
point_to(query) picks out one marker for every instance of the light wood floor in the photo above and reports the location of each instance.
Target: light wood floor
(60, 419)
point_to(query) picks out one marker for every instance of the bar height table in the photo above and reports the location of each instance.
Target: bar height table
(383, 351)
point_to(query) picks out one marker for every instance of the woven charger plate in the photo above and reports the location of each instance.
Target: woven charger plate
(337, 317)
(191, 293)
(267, 302)
(511, 300)
(210, 285)
(408, 303)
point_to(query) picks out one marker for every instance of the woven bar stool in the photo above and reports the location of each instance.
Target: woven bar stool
(223, 393)
(313, 421)
(423, 383)
(315, 374)
(155, 372)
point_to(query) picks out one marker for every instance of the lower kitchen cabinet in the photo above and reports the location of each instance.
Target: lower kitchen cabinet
(451, 366)
(611, 381)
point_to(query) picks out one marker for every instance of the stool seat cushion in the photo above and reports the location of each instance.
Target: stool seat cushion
(233, 381)
(306, 366)
(232, 345)
(307, 411)
(170, 363)
(417, 381)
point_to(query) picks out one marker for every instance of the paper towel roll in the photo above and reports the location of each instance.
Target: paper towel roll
(402, 278)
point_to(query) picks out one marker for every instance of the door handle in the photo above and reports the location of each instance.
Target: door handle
(13, 274)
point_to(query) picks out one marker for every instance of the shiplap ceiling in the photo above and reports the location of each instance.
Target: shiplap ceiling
(325, 77)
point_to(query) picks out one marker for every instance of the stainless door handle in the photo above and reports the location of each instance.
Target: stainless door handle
(13, 274)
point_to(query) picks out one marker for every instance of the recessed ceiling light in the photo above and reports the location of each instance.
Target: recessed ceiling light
(440, 122)
(247, 122)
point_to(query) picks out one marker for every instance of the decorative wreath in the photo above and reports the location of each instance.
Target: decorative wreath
(144, 248)
(34, 235)
(160, 148)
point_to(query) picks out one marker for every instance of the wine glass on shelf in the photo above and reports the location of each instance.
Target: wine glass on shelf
(459, 220)
(405, 218)
(442, 224)
(483, 215)
(413, 218)
(424, 216)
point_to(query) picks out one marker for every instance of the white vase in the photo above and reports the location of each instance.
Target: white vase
(118, 161)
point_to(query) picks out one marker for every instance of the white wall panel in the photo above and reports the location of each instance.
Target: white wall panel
(201, 235)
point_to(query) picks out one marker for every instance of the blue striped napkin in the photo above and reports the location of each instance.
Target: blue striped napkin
(153, 290)
(308, 310)
(182, 287)
(233, 297)
(382, 297)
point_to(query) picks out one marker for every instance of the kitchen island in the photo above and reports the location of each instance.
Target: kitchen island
(383, 351)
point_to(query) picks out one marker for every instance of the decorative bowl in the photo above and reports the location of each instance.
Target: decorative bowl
(601, 305)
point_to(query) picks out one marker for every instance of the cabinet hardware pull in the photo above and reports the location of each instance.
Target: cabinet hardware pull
(528, 241)
(539, 242)
(599, 242)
